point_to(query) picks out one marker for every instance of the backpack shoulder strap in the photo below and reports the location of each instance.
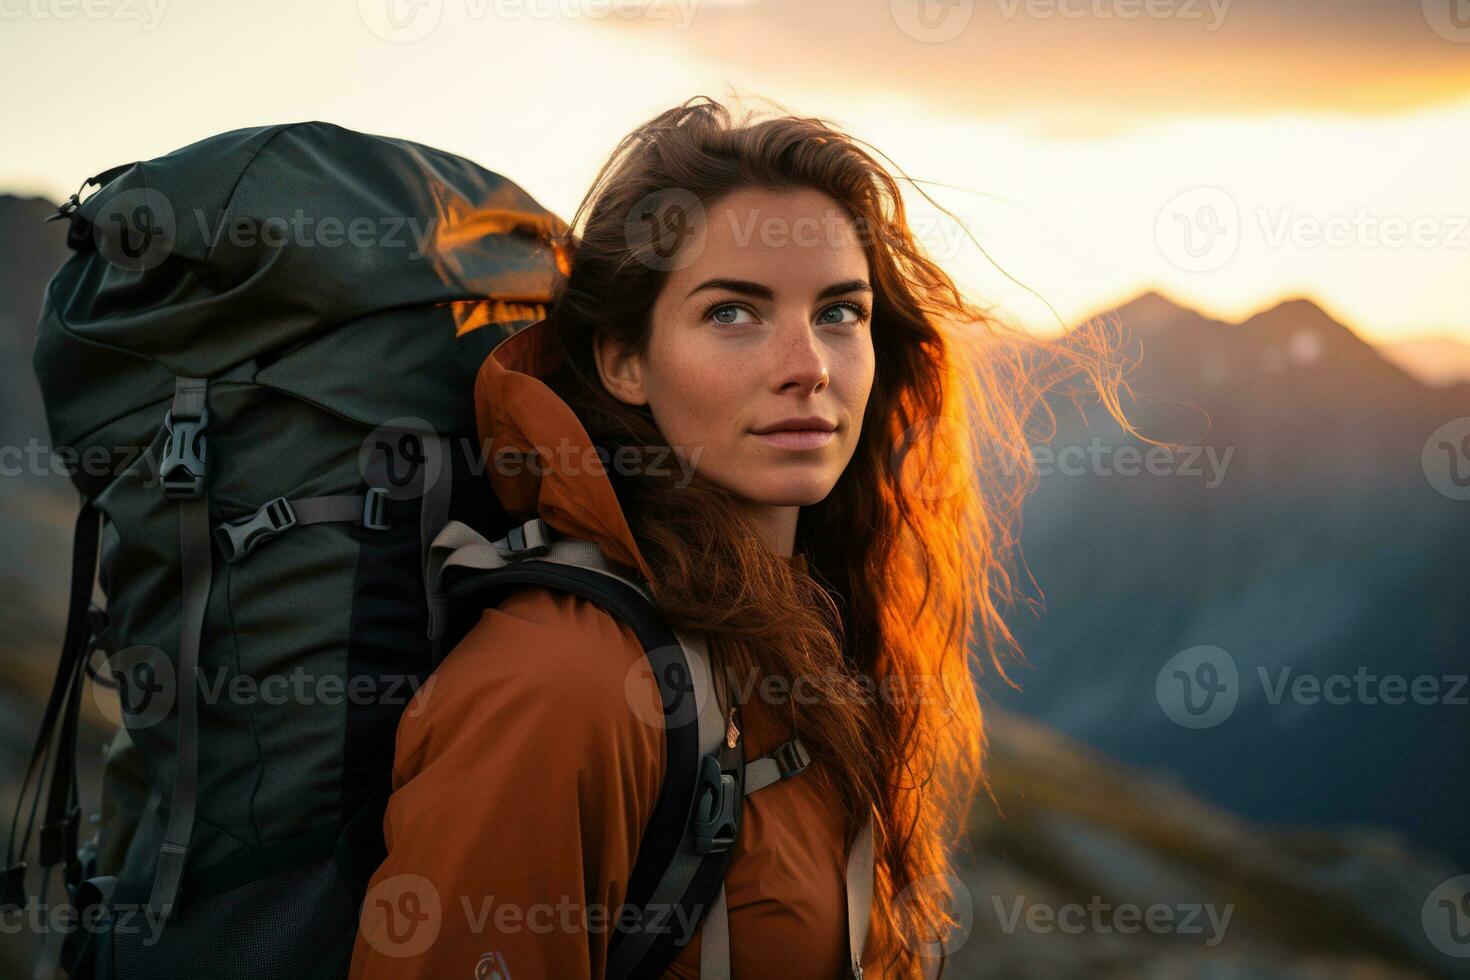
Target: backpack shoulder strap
(686, 847)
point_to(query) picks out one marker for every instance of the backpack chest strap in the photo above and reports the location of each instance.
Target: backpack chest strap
(784, 761)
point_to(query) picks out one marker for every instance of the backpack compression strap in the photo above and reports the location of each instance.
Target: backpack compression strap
(60, 828)
(690, 836)
(183, 477)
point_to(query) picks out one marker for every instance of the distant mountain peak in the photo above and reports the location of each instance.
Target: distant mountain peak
(1153, 301)
(1153, 310)
(24, 212)
(1298, 312)
(1294, 335)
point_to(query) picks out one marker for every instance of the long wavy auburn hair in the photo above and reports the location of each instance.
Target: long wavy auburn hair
(906, 561)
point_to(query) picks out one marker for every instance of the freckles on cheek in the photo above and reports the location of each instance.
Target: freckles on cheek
(690, 397)
(703, 404)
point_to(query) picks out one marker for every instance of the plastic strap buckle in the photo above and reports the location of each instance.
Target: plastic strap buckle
(791, 757)
(527, 541)
(714, 808)
(373, 508)
(184, 451)
(238, 539)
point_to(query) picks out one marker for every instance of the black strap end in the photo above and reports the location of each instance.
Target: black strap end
(13, 890)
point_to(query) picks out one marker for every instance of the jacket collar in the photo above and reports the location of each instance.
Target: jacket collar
(516, 415)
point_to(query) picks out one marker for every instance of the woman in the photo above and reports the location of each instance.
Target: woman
(749, 296)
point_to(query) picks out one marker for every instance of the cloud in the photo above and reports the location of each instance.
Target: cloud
(1088, 64)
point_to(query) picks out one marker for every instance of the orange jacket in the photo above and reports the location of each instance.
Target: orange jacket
(527, 767)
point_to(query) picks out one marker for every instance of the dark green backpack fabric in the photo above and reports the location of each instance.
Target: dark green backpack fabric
(276, 325)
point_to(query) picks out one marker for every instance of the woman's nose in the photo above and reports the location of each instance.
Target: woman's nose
(802, 364)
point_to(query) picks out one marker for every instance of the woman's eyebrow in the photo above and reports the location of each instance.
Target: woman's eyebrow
(748, 288)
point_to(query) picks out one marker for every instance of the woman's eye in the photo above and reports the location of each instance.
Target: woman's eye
(856, 314)
(729, 314)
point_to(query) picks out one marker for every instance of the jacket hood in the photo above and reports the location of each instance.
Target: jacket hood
(517, 416)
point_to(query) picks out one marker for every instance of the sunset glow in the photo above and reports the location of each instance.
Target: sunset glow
(1077, 140)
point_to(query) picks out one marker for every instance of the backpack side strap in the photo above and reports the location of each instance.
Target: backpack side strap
(59, 710)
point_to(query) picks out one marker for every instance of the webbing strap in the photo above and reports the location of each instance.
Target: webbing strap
(625, 958)
(459, 546)
(859, 895)
(237, 539)
(714, 936)
(343, 508)
(714, 941)
(783, 762)
(197, 566)
(60, 709)
(437, 496)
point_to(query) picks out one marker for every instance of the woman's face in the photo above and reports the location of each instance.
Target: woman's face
(765, 319)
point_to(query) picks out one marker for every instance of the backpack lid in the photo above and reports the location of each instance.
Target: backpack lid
(259, 243)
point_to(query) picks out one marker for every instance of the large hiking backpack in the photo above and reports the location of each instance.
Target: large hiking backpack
(232, 368)
(262, 353)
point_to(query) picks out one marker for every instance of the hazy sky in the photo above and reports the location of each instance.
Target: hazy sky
(1229, 152)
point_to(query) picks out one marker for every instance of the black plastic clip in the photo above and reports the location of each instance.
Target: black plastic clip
(791, 758)
(238, 539)
(68, 208)
(714, 808)
(527, 541)
(184, 450)
(373, 508)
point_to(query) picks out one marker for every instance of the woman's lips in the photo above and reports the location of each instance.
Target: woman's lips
(796, 438)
